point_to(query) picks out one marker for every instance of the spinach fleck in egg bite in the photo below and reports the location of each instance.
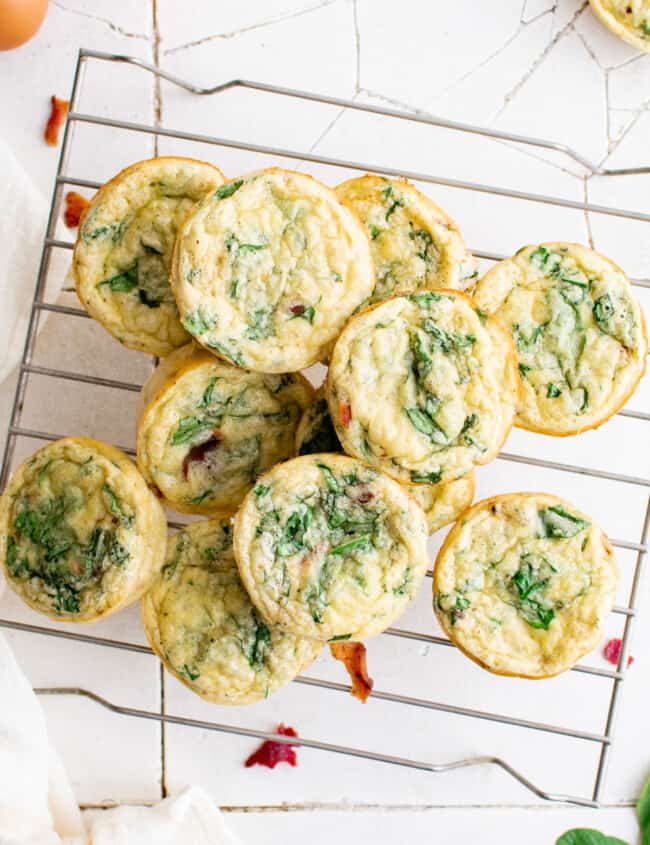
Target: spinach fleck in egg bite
(629, 19)
(207, 429)
(414, 243)
(441, 503)
(329, 548)
(522, 584)
(580, 334)
(267, 270)
(122, 256)
(422, 387)
(81, 535)
(199, 620)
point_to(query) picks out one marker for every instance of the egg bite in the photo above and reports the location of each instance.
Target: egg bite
(423, 387)
(580, 334)
(415, 244)
(329, 548)
(523, 583)
(207, 429)
(81, 534)
(121, 260)
(199, 620)
(268, 268)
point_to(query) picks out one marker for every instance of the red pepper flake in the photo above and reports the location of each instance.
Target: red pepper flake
(365, 497)
(56, 120)
(75, 205)
(345, 413)
(297, 309)
(612, 651)
(353, 656)
(270, 753)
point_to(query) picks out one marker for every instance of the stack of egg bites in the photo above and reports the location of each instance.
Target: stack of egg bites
(317, 505)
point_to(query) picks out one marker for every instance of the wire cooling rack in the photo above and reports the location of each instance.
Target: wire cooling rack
(28, 369)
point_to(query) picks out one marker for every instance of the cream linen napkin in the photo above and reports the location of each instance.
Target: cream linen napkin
(37, 806)
(22, 226)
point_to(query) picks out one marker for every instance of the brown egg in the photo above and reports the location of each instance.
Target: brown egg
(19, 20)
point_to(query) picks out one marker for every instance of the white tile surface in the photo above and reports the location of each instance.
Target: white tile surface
(533, 67)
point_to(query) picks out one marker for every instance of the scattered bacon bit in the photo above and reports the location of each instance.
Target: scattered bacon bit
(612, 651)
(353, 656)
(75, 205)
(270, 753)
(198, 453)
(345, 413)
(364, 497)
(297, 309)
(56, 120)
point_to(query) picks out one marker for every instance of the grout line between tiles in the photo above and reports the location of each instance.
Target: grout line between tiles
(157, 91)
(163, 728)
(310, 807)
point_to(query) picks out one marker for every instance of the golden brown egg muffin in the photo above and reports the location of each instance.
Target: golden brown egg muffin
(81, 534)
(268, 268)
(199, 620)
(121, 260)
(580, 334)
(421, 387)
(329, 548)
(414, 243)
(207, 429)
(523, 583)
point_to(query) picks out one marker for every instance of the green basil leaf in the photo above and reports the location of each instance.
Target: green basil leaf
(558, 523)
(643, 813)
(587, 836)
(228, 189)
(330, 478)
(123, 282)
(423, 423)
(361, 542)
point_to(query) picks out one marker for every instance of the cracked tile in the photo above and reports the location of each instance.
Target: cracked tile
(478, 95)
(629, 85)
(609, 50)
(546, 107)
(327, 65)
(404, 61)
(219, 21)
(631, 147)
(533, 8)
(566, 12)
(620, 121)
(118, 18)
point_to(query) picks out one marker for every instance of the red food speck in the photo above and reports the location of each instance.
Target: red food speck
(353, 657)
(56, 120)
(364, 497)
(75, 205)
(199, 453)
(345, 413)
(297, 309)
(270, 753)
(612, 651)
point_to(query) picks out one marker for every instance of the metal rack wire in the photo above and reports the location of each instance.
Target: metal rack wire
(28, 369)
